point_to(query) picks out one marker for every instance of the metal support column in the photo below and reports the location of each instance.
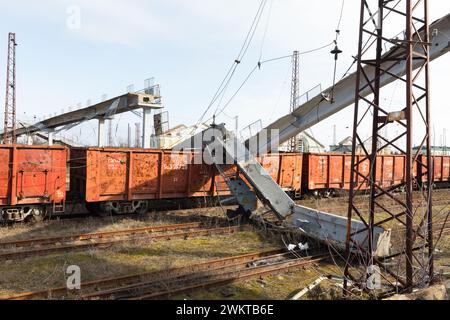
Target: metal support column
(29, 140)
(50, 138)
(413, 252)
(101, 132)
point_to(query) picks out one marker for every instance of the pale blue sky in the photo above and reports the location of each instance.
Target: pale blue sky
(187, 45)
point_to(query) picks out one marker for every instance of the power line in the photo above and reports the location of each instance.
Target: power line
(259, 65)
(248, 41)
(341, 15)
(265, 30)
(225, 82)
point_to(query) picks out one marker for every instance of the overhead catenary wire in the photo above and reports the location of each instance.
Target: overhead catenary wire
(241, 55)
(229, 75)
(336, 52)
(269, 15)
(258, 66)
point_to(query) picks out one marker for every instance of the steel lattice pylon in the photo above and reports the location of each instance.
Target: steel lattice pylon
(410, 262)
(9, 128)
(295, 90)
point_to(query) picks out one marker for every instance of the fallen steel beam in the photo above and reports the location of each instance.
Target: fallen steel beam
(322, 226)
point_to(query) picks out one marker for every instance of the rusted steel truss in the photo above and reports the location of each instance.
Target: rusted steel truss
(409, 122)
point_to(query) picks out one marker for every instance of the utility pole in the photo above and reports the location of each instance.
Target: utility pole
(9, 128)
(412, 263)
(295, 90)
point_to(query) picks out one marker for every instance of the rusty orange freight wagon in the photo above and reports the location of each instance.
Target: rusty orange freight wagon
(124, 180)
(441, 170)
(285, 169)
(323, 174)
(32, 181)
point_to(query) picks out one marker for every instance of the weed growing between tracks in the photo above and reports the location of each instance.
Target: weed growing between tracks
(211, 217)
(38, 273)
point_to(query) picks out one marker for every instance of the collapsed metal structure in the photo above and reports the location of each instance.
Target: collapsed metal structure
(328, 228)
(320, 107)
(412, 51)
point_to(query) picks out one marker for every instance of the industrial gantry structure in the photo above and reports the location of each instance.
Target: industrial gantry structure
(412, 53)
(101, 111)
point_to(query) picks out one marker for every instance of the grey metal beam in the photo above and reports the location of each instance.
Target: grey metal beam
(318, 108)
(120, 104)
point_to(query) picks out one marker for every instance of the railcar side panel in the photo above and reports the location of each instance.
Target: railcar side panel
(32, 175)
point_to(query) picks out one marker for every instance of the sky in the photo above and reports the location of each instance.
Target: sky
(72, 51)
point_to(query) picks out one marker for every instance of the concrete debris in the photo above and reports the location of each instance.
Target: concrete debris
(308, 288)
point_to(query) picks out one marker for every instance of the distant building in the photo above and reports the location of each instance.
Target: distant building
(305, 143)
(345, 146)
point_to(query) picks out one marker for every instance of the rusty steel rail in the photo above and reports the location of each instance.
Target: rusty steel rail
(437, 194)
(97, 235)
(231, 277)
(195, 274)
(342, 208)
(56, 247)
(139, 278)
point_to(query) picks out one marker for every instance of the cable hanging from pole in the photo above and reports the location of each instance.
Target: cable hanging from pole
(248, 39)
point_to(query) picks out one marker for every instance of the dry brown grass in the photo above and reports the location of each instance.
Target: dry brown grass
(38, 273)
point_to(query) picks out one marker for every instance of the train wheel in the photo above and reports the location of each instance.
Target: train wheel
(328, 193)
(141, 208)
(36, 215)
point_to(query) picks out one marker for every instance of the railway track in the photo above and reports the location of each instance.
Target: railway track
(183, 279)
(43, 246)
(340, 208)
(224, 277)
